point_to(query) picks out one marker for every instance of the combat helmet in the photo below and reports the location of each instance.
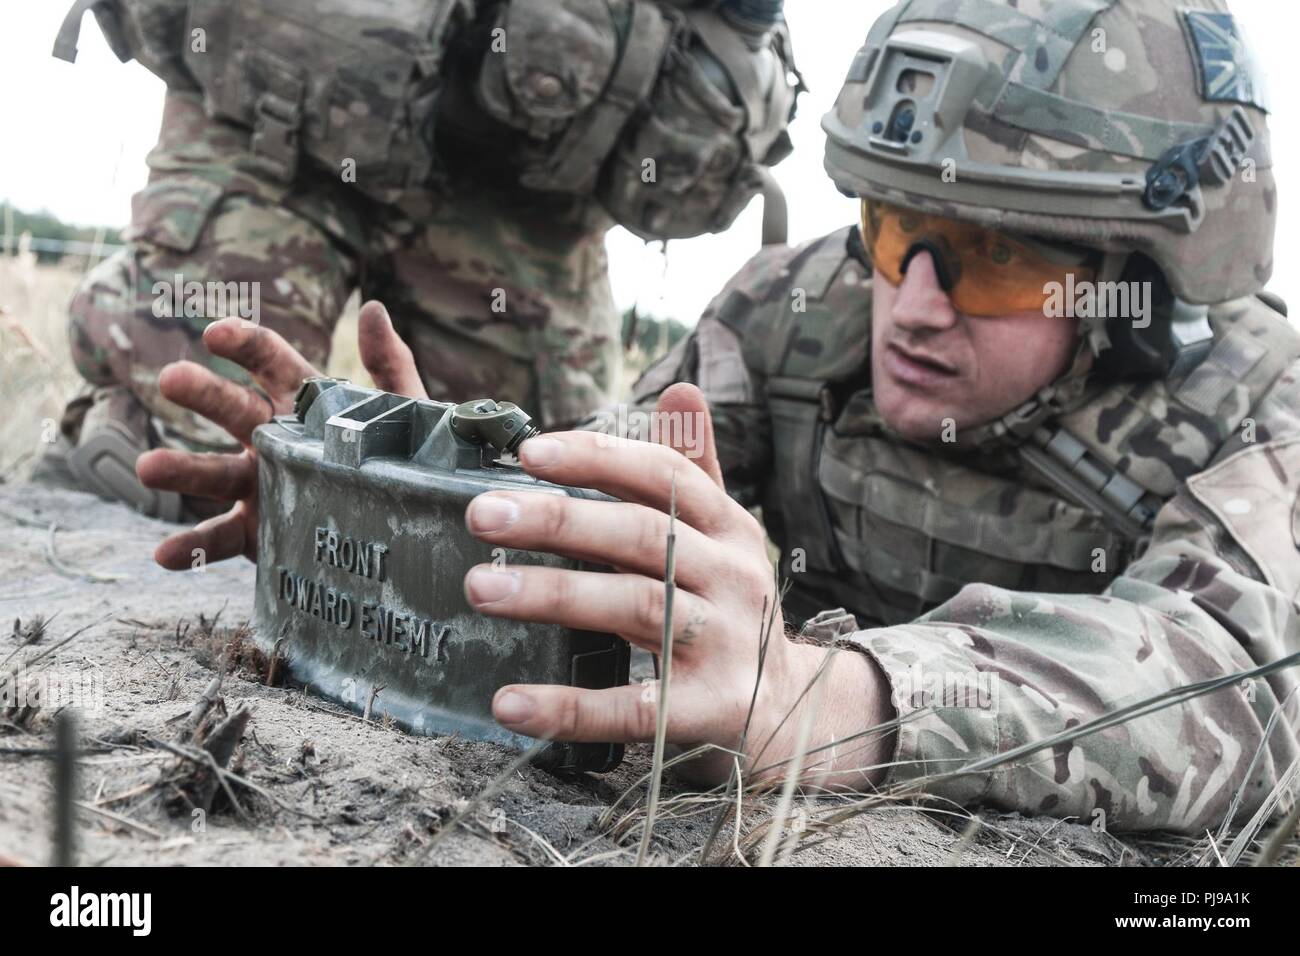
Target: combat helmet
(1136, 128)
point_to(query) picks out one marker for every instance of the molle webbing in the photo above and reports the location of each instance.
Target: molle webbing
(802, 357)
(577, 159)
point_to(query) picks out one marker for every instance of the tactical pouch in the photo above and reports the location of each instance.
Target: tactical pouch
(694, 158)
(571, 74)
(150, 31)
(353, 87)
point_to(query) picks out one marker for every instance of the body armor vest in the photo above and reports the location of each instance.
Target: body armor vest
(666, 113)
(890, 529)
(351, 84)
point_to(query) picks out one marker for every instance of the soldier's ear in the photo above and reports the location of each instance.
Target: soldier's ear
(687, 426)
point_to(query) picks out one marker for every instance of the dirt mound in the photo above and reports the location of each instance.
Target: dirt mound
(304, 782)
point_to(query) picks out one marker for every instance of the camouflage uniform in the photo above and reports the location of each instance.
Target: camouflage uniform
(483, 232)
(437, 265)
(1165, 550)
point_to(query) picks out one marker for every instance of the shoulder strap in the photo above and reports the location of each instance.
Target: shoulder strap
(1063, 462)
(806, 341)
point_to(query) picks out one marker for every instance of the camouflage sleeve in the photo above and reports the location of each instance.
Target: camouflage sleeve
(1217, 592)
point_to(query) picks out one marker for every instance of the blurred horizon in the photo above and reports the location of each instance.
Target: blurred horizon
(94, 122)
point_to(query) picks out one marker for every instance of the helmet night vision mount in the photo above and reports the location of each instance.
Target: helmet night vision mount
(990, 114)
(362, 554)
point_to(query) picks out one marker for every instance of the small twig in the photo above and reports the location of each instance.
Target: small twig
(50, 751)
(272, 667)
(497, 783)
(65, 789)
(118, 818)
(50, 649)
(374, 692)
(52, 557)
(232, 776)
(207, 700)
(119, 797)
(666, 667)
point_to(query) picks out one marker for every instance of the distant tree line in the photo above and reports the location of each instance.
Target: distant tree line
(650, 337)
(43, 225)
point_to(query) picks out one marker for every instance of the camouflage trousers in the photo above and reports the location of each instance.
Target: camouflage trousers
(495, 299)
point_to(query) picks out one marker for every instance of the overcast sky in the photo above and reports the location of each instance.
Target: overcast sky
(75, 138)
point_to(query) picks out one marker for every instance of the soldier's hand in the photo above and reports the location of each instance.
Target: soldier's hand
(278, 369)
(723, 579)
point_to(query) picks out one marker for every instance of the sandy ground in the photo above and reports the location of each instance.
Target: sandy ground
(336, 789)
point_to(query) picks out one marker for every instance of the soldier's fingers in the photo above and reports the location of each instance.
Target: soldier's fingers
(633, 471)
(216, 539)
(612, 715)
(225, 477)
(630, 605)
(386, 357)
(234, 407)
(621, 534)
(276, 365)
(685, 403)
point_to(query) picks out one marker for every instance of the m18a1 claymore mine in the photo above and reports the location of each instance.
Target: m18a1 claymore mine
(362, 554)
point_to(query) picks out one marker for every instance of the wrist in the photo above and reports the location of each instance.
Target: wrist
(852, 696)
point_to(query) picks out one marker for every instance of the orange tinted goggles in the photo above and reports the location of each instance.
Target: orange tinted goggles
(985, 273)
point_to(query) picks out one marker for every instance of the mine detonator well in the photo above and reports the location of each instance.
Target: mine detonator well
(362, 554)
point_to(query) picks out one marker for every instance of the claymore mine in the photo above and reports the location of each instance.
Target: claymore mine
(363, 550)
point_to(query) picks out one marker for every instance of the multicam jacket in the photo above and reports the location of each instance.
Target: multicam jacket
(967, 568)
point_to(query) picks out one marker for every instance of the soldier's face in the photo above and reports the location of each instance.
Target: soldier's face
(935, 369)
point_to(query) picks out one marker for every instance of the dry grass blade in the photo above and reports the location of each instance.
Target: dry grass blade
(1235, 805)
(118, 818)
(768, 615)
(606, 818)
(665, 667)
(497, 783)
(1281, 837)
(917, 786)
(807, 720)
(1169, 698)
(1261, 816)
(966, 839)
(47, 651)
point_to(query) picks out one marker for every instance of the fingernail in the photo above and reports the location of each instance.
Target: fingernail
(540, 452)
(490, 585)
(489, 513)
(512, 707)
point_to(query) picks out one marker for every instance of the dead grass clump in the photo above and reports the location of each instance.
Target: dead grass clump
(36, 372)
(236, 645)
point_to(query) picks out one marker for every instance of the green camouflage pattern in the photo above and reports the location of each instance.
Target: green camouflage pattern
(505, 301)
(355, 148)
(547, 97)
(969, 571)
(1067, 92)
